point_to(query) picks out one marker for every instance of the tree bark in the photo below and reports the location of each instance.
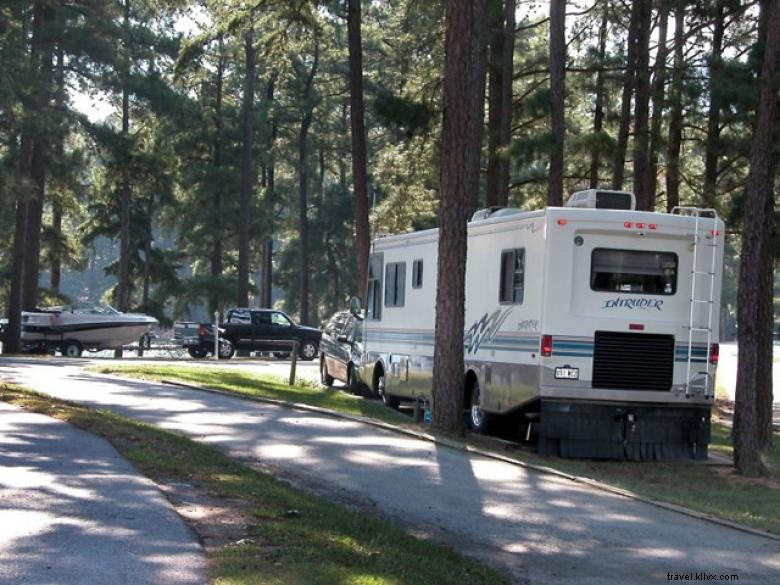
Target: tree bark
(358, 133)
(247, 171)
(270, 186)
(55, 268)
(629, 80)
(712, 148)
(557, 98)
(658, 95)
(500, 77)
(674, 142)
(755, 314)
(43, 55)
(598, 110)
(123, 286)
(644, 199)
(218, 183)
(462, 129)
(303, 185)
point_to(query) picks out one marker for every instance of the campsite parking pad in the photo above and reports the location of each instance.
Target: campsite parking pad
(537, 528)
(73, 512)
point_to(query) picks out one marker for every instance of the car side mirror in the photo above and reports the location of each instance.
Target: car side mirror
(356, 307)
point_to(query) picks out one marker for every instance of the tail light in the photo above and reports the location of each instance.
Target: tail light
(714, 354)
(546, 348)
(201, 330)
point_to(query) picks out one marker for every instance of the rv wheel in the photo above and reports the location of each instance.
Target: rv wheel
(72, 349)
(390, 401)
(325, 377)
(478, 420)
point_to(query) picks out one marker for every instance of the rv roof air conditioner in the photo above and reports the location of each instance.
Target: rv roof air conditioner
(497, 211)
(602, 199)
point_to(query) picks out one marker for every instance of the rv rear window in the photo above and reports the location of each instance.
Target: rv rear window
(512, 283)
(395, 282)
(632, 271)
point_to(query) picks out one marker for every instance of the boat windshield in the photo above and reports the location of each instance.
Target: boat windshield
(94, 309)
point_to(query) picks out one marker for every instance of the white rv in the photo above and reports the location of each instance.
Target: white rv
(597, 322)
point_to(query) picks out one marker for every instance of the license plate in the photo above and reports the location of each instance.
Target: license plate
(567, 373)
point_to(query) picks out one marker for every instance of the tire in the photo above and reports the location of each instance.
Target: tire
(308, 351)
(478, 420)
(352, 383)
(325, 377)
(72, 348)
(225, 351)
(380, 387)
(197, 352)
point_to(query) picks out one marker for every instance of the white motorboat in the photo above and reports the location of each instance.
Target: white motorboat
(73, 329)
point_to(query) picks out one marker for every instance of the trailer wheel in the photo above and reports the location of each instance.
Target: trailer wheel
(381, 388)
(325, 377)
(478, 420)
(72, 348)
(197, 352)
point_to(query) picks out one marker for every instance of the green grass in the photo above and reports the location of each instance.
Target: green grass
(715, 490)
(291, 537)
(263, 386)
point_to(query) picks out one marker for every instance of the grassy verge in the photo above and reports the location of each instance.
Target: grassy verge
(261, 386)
(715, 490)
(289, 536)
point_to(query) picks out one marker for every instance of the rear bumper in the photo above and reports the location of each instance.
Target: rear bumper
(636, 432)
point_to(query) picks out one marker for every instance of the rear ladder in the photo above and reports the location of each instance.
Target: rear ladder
(705, 233)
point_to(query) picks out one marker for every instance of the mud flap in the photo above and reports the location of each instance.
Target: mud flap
(638, 433)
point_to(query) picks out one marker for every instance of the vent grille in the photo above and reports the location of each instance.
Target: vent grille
(633, 361)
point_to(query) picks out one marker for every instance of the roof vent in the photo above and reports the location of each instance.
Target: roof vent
(602, 199)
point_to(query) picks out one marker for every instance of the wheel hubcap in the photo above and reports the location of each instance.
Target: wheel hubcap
(309, 350)
(476, 409)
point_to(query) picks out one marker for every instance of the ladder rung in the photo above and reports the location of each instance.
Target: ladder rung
(701, 301)
(704, 272)
(700, 328)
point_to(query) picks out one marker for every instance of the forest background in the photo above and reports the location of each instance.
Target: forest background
(223, 165)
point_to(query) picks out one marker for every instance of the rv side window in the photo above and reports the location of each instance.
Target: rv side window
(395, 281)
(374, 291)
(632, 271)
(417, 274)
(512, 276)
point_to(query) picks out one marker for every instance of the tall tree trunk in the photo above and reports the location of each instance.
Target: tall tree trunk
(270, 186)
(712, 149)
(644, 199)
(557, 97)
(659, 84)
(43, 18)
(754, 306)
(500, 76)
(123, 286)
(629, 81)
(12, 342)
(148, 251)
(218, 183)
(303, 185)
(598, 110)
(674, 142)
(462, 128)
(247, 172)
(55, 268)
(359, 173)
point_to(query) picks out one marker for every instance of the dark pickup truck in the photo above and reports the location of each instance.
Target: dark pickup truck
(264, 330)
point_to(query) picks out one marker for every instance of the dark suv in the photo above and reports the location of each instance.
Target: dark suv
(341, 347)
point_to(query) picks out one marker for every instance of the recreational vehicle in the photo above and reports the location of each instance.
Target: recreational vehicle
(597, 324)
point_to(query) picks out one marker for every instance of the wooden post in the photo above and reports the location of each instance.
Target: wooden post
(293, 362)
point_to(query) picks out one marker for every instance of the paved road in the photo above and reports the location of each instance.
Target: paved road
(539, 529)
(73, 512)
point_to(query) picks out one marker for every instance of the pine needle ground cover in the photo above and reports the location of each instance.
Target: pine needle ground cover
(283, 535)
(710, 489)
